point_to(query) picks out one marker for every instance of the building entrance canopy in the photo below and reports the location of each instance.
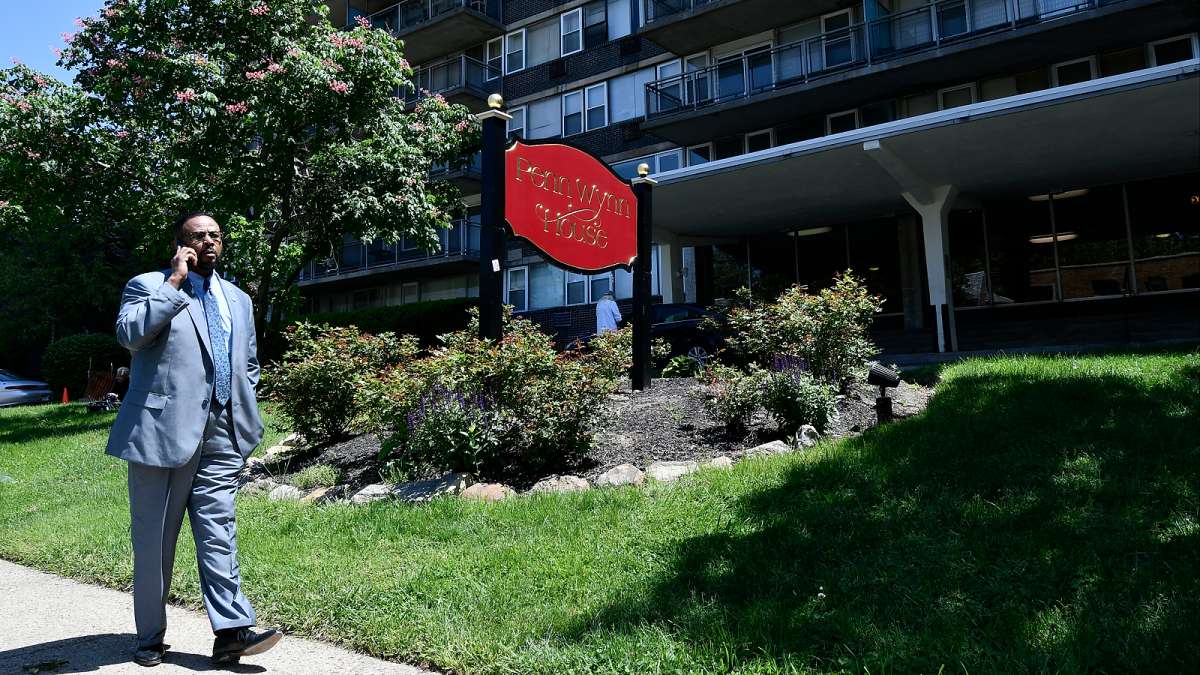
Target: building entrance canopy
(1140, 124)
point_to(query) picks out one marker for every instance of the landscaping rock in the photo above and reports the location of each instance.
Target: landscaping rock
(669, 471)
(286, 493)
(7, 479)
(337, 493)
(625, 474)
(488, 492)
(255, 465)
(424, 490)
(371, 493)
(721, 462)
(277, 451)
(807, 436)
(316, 495)
(258, 485)
(561, 484)
(772, 448)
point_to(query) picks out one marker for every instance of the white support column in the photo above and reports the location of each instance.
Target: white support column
(932, 203)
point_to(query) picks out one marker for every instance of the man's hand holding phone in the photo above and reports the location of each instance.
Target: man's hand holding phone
(181, 264)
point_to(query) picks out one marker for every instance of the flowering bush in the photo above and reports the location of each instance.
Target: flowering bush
(826, 330)
(498, 408)
(317, 382)
(731, 397)
(793, 397)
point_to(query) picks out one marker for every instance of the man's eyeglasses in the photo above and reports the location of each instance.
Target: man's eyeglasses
(197, 237)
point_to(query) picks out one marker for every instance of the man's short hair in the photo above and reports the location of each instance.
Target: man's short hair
(184, 217)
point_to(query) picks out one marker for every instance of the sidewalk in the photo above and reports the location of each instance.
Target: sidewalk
(49, 624)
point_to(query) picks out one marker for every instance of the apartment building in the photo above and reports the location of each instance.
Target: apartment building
(1004, 173)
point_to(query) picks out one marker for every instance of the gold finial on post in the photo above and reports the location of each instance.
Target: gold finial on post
(643, 169)
(495, 101)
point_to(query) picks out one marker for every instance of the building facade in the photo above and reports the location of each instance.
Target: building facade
(1005, 173)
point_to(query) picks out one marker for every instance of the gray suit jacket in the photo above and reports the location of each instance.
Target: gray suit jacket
(162, 419)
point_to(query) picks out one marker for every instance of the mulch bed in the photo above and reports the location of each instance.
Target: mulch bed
(666, 422)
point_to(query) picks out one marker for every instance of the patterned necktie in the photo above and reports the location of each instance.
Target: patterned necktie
(220, 344)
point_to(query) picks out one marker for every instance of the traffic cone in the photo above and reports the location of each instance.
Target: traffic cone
(66, 399)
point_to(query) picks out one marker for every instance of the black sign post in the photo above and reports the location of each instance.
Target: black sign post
(643, 188)
(492, 234)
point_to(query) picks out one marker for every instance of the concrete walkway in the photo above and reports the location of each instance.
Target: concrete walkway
(49, 624)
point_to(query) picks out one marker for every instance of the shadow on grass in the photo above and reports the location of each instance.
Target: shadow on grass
(37, 423)
(1021, 525)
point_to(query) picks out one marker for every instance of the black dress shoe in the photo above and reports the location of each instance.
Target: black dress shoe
(150, 656)
(232, 646)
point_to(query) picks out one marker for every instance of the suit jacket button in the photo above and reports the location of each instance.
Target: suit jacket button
(204, 405)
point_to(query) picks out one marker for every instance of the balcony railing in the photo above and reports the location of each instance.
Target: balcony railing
(404, 16)
(657, 10)
(861, 44)
(474, 167)
(461, 239)
(459, 72)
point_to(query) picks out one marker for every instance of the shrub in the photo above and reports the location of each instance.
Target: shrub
(497, 408)
(731, 397)
(827, 330)
(681, 366)
(315, 476)
(793, 397)
(66, 362)
(316, 383)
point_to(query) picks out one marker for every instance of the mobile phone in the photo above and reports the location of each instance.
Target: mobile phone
(190, 263)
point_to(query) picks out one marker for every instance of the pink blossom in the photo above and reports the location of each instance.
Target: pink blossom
(255, 75)
(260, 10)
(417, 126)
(338, 86)
(79, 22)
(462, 126)
(15, 61)
(3, 203)
(40, 81)
(115, 63)
(239, 108)
(109, 13)
(275, 68)
(67, 37)
(353, 42)
(362, 21)
(185, 96)
(404, 64)
(122, 133)
(200, 60)
(57, 53)
(33, 155)
(295, 53)
(153, 56)
(24, 106)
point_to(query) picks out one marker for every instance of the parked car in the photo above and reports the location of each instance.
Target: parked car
(15, 390)
(680, 324)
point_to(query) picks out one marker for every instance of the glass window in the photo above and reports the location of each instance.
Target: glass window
(514, 51)
(628, 168)
(877, 113)
(1073, 72)
(571, 24)
(699, 154)
(968, 259)
(597, 106)
(545, 286)
(759, 140)
(1021, 247)
(1165, 220)
(410, 293)
(956, 97)
(495, 58)
(515, 283)
(572, 113)
(802, 130)
(576, 288)
(728, 147)
(667, 161)
(1093, 250)
(595, 23)
(516, 126)
(620, 19)
(843, 121)
(1124, 61)
(1171, 51)
(875, 257)
(381, 253)
(599, 285)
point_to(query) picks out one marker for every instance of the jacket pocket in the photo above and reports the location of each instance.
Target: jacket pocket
(155, 401)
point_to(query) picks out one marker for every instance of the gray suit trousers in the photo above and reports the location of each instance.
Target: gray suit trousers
(205, 487)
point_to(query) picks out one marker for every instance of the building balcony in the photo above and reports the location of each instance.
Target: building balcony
(466, 177)
(897, 53)
(459, 247)
(460, 79)
(689, 26)
(433, 28)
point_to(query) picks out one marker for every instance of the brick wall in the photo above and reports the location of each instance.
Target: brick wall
(515, 10)
(589, 62)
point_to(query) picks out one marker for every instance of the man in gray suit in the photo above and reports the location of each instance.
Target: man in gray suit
(186, 426)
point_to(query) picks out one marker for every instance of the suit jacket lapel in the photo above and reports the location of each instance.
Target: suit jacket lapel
(196, 310)
(235, 322)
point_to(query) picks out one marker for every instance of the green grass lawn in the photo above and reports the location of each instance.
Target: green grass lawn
(1042, 516)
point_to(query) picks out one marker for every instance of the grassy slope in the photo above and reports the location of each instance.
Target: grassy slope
(1042, 515)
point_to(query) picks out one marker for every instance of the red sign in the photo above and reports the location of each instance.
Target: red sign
(570, 205)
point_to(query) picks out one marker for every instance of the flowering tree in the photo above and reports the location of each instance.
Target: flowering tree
(285, 127)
